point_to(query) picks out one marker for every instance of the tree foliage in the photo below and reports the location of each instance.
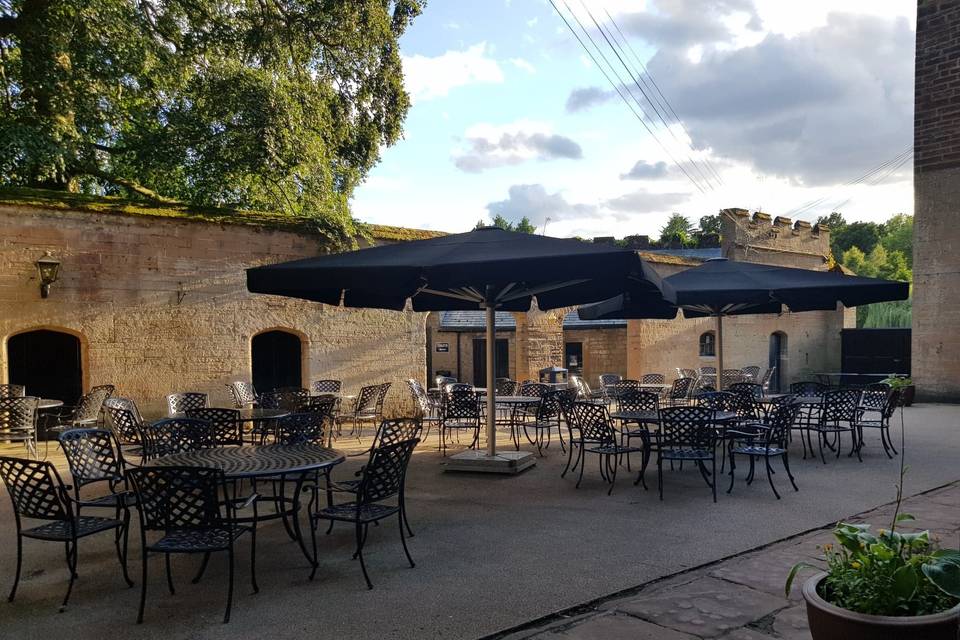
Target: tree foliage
(710, 224)
(678, 228)
(279, 105)
(523, 225)
(890, 257)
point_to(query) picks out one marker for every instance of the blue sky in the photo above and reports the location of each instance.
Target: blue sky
(786, 103)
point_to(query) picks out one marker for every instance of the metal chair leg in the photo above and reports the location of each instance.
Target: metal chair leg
(16, 575)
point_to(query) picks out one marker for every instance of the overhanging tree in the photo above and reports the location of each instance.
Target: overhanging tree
(279, 105)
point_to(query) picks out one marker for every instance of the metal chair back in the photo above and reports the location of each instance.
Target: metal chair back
(181, 402)
(175, 435)
(36, 489)
(92, 457)
(301, 428)
(385, 472)
(12, 391)
(652, 378)
(688, 428)
(225, 424)
(326, 386)
(174, 499)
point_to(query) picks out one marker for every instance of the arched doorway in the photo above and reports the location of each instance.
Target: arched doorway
(48, 363)
(778, 358)
(275, 358)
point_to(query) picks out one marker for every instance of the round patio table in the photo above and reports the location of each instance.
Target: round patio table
(257, 417)
(49, 403)
(265, 461)
(654, 416)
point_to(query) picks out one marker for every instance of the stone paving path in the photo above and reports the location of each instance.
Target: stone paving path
(737, 598)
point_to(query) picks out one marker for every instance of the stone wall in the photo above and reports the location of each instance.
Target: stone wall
(160, 305)
(936, 233)
(447, 361)
(778, 241)
(604, 351)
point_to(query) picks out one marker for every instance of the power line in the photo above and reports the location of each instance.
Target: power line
(616, 86)
(617, 50)
(895, 162)
(664, 103)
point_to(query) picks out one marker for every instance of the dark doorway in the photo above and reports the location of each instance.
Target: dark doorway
(275, 359)
(573, 357)
(480, 360)
(47, 363)
(874, 354)
(778, 358)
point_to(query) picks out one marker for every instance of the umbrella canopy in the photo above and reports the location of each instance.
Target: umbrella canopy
(487, 268)
(722, 287)
(460, 271)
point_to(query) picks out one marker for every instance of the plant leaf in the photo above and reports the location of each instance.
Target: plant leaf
(905, 581)
(793, 574)
(944, 573)
(905, 516)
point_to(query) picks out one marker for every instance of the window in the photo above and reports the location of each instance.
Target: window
(708, 344)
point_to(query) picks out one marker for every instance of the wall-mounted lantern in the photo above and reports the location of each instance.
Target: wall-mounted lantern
(49, 269)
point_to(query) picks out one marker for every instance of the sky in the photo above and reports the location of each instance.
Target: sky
(779, 107)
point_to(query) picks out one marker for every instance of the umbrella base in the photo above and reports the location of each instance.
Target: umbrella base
(505, 463)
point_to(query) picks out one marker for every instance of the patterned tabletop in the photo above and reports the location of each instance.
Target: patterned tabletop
(246, 414)
(252, 461)
(653, 416)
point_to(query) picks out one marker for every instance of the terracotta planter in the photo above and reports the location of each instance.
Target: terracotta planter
(829, 622)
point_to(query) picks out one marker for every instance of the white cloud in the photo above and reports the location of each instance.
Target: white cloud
(532, 22)
(520, 63)
(427, 77)
(488, 146)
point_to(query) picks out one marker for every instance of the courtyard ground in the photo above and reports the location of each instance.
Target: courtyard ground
(495, 553)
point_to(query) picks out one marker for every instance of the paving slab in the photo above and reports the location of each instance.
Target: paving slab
(706, 607)
(613, 626)
(791, 624)
(764, 571)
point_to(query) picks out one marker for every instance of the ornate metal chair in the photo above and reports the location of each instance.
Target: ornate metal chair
(181, 511)
(686, 373)
(532, 389)
(731, 376)
(94, 458)
(428, 409)
(367, 408)
(38, 493)
(597, 436)
(875, 410)
(607, 380)
(461, 411)
(652, 378)
(181, 402)
(442, 381)
(584, 392)
(175, 435)
(286, 399)
(751, 374)
(838, 414)
(541, 419)
(18, 421)
(506, 386)
(808, 388)
(638, 402)
(88, 411)
(125, 422)
(326, 386)
(767, 379)
(243, 393)
(225, 424)
(12, 391)
(382, 483)
(767, 441)
(688, 434)
(680, 393)
(301, 428)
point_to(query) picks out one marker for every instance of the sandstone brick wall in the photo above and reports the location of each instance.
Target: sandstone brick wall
(936, 239)
(160, 305)
(604, 351)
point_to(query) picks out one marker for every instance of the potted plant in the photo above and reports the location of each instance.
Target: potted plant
(906, 386)
(886, 585)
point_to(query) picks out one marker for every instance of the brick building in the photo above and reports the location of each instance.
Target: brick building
(154, 301)
(936, 166)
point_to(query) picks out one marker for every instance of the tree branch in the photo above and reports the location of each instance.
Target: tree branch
(131, 185)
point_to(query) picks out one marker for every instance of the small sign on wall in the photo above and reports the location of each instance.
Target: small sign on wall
(443, 347)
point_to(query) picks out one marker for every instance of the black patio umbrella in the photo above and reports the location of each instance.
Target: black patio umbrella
(723, 287)
(487, 268)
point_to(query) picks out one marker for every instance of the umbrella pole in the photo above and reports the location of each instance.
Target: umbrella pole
(491, 372)
(719, 352)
